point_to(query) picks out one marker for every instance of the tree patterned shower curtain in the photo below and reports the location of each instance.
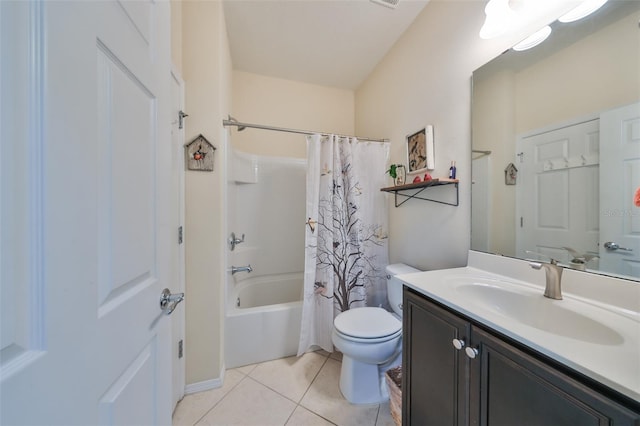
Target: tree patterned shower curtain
(346, 247)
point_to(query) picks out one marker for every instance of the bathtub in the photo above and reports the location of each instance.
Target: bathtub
(263, 319)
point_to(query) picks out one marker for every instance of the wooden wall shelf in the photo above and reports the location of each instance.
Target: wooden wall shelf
(413, 190)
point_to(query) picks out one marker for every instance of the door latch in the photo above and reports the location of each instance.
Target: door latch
(610, 245)
(168, 301)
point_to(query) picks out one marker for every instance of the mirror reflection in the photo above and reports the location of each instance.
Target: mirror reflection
(556, 146)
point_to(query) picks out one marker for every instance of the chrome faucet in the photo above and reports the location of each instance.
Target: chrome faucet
(235, 269)
(553, 274)
(233, 241)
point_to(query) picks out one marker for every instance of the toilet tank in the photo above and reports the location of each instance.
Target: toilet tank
(394, 286)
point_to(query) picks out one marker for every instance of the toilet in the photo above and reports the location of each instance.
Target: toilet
(370, 340)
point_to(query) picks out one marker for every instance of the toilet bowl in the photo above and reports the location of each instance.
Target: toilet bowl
(370, 340)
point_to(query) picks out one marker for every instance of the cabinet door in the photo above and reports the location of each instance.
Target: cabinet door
(435, 373)
(510, 387)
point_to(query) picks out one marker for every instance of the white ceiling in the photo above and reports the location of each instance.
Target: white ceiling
(334, 43)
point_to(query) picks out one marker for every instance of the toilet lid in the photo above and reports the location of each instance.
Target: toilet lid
(367, 323)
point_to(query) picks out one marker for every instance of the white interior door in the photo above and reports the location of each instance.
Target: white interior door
(620, 218)
(85, 219)
(177, 317)
(557, 192)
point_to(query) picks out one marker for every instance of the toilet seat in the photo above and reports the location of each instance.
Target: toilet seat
(369, 341)
(367, 324)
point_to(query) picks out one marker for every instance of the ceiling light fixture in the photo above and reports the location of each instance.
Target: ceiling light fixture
(392, 4)
(534, 39)
(585, 8)
(499, 19)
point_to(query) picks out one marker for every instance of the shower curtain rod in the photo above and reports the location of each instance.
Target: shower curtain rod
(241, 126)
(478, 151)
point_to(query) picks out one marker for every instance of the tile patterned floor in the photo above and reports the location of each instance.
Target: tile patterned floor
(290, 391)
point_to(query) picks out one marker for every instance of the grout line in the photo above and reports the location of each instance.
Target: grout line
(221, 399)
(247, 376)
(306, 391)
(313, 380)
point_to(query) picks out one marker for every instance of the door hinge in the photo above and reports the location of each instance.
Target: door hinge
(521, 157)
(521, 222)
(180, 238)
(180, 352)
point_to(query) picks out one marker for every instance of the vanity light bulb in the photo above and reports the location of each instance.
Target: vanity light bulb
(500, 18)
(585, 8)
(534, 39)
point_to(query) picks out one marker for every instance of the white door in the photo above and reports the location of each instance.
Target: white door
(177, 317)
(620, 218)
(557, 192)
(85, 219)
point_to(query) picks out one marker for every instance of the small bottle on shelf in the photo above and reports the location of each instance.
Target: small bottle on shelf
(452, 170)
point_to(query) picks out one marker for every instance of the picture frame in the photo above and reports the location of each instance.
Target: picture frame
(420, 150)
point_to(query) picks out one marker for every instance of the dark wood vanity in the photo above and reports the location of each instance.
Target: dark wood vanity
(492, 380)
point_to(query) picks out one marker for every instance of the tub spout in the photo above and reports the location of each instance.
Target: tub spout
(235, 269)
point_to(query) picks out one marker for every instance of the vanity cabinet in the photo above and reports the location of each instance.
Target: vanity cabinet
(491, 380)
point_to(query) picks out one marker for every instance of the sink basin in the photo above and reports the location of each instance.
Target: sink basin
(531, 308)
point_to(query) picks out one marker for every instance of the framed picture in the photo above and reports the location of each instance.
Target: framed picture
(420, 154)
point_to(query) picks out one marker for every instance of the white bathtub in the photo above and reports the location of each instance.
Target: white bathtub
(263, 319)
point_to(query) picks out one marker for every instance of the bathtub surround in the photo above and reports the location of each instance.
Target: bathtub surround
(266, 204)
(346, 233)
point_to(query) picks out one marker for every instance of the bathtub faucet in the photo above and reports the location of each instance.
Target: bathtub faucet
(235, 269)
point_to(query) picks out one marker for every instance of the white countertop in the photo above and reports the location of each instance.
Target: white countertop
(614, 361)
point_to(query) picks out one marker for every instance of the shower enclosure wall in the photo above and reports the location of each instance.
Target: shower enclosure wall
(266, 204)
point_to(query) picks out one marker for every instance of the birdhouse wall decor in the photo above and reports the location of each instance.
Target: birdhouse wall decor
(199, 154)
(510, 174)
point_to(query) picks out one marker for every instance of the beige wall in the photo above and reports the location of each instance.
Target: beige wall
(284, 103)
(572, 93)
(425, 79)
(207, 74)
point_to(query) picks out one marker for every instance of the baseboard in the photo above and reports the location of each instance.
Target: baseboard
(205, 385)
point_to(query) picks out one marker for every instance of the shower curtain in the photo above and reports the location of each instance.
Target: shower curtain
(346, 247)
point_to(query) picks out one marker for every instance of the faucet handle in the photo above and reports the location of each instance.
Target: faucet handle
(233, 241)
(535, 265)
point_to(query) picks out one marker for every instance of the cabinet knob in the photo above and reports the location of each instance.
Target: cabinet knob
(471, 352)
(458, 343)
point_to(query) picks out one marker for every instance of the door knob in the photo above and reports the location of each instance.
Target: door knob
(458, 343)
(610, 245)
(471, 352)
(168, 301)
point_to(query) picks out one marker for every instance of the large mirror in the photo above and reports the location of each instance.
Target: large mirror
(556, 146)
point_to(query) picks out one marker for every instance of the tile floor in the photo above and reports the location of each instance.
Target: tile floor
(289, 391)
